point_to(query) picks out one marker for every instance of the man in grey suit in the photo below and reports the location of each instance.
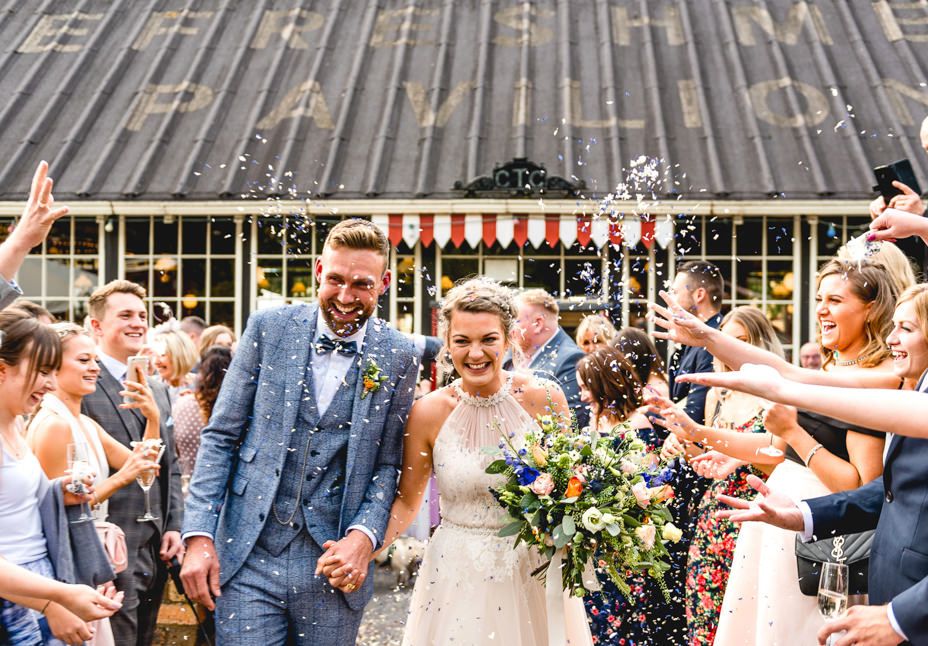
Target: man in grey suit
(37, 219)
(548, 350)
(120, 321)
(298, 465)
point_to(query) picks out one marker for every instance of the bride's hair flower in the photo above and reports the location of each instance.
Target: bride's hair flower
(543, 485)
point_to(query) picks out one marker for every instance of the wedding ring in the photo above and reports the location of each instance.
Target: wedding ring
(43, 205)
(351, 587)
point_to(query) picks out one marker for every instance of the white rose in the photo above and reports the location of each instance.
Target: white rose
(647, 534)
(592, 520)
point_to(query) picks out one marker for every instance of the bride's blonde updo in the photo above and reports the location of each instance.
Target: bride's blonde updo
(478, 296)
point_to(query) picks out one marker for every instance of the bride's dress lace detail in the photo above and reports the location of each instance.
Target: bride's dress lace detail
(473, 587)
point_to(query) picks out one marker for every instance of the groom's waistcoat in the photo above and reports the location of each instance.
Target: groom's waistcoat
(313, 478)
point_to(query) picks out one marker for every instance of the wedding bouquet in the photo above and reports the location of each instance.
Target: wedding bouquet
(599, 498)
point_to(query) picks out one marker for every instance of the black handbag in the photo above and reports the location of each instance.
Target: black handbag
(851, 549)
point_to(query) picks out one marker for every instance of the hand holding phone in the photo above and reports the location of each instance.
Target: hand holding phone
(899, 171)
(137, 371)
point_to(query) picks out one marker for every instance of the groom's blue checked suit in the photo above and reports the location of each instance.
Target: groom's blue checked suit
(896, 505)
(276, 477)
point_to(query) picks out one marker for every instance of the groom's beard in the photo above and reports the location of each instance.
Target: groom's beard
(342, 327)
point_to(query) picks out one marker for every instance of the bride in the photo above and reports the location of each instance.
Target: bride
(473, 587)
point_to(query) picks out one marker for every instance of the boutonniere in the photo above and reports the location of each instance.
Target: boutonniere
(372, 377)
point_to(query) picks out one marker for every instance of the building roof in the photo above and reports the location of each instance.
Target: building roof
(217, 99)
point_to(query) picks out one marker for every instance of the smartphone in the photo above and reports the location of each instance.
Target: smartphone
(897, 171)
(137, 371)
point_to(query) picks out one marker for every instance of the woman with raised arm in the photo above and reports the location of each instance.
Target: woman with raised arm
(473, 587)
(763, 604)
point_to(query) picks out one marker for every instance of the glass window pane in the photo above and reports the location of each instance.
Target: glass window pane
(405, 316)
(750, 279)
(223, 236)
(194, 232)
(405, 276)
(688, 237)
(194, 277)
(638, 276)
(299, 236)
(79, 311)
(637, 313)
(779, 237)
(5, 224)
(299, 278)
(718, 236)
(322, 226)
(543, 249)
(29, 277)
(269, 277)
(577, 250)
(496, 249)
(542, 273)
(86, 277)
(270, 235)
(780, 280)
(58, 241)
(165, 276)
(454, 269)
(192, 305)
(137, 272)
(137, 236)
(165, 237)
(86, 236)
(222, 278)
(222, 313)
(57, 277)
(725, 268)
(749, 235)
(780, 316)
(830, 237)
(583, 278)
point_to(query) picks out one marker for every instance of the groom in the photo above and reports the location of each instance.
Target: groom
(301, 456)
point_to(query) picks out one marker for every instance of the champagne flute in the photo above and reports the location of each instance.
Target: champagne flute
(79, 466)
(147, 478)
(832, 591)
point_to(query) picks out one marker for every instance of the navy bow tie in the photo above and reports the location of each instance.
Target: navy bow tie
(327, 344)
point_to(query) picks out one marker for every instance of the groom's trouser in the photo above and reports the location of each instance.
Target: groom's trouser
(278, 600)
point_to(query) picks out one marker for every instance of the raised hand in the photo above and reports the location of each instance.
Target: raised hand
(142, 398)
(754, 379)
(715, 465)
(671, 448)
(139, 460)
(893, 224)
(908, 200)
(780, 420)
(682, 326)
(674, 419)
(773, 508)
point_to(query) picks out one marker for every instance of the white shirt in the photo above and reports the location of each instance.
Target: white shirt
(114, 366)
(329, 369)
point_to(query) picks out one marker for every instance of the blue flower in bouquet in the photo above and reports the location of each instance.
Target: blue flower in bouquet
(526, 475)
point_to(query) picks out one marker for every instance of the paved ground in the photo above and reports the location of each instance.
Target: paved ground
(385, 615)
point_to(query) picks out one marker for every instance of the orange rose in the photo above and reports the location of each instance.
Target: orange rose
(368, 383)
(574, 487)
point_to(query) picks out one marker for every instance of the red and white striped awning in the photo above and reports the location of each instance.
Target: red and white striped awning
(536, 230)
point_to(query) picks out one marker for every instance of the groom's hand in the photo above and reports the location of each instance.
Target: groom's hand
(345, 562)
(200, 571)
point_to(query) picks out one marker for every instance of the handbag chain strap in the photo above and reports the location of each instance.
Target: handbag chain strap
(837, 549)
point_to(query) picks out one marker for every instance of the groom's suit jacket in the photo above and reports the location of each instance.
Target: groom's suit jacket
(244, 447)
(896, 504)
(558, 361)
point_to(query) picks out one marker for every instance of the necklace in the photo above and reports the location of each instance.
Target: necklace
(849, 362)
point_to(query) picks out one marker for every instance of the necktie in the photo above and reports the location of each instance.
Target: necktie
(327, 344)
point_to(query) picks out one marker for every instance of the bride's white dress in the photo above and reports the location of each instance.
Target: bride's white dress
(473, 588)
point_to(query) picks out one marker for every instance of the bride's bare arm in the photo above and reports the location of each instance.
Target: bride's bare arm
(425, 419)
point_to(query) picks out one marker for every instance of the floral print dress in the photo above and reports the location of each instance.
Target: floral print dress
(712, 548)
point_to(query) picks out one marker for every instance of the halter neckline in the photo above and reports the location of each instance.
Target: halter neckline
(484, 402)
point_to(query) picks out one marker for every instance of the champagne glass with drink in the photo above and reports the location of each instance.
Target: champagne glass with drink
(80, 469)
(832, 591)
(147, 478)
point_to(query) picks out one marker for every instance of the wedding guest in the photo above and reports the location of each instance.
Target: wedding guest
(193, 326)
(612, 388)
(640, 350)
(892, 504)
(120, 322)
(192, 413)
(593, 332)
(908, 200)
(733, 414)
(891, 258)
(175, 355)
(762, 602)
(810, 357)
(216, 335)
(547, 349)
(37, 219)
(83, 601)
(698, 287)
(34, 310)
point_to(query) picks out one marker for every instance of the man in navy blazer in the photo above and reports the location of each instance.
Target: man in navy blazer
(548, 350)
(698, 286)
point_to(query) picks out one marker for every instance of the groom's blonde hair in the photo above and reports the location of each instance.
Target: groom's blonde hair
(477, 295)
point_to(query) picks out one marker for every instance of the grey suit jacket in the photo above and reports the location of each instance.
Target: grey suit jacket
(558, 362)
(244, 447)
(127, 426)
(8, 293)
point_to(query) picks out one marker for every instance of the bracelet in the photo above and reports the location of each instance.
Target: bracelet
(45, 607)
(812, 452)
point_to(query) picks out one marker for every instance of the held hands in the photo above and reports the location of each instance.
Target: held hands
(200, 571)
(715, 465)
(682, 326)
(67, 626)
(345, 563)
(862, 625)
(772, 507)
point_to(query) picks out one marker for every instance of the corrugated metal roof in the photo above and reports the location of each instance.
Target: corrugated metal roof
(207, 99)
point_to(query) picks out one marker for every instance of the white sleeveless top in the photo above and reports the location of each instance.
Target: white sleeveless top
(21, 537)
